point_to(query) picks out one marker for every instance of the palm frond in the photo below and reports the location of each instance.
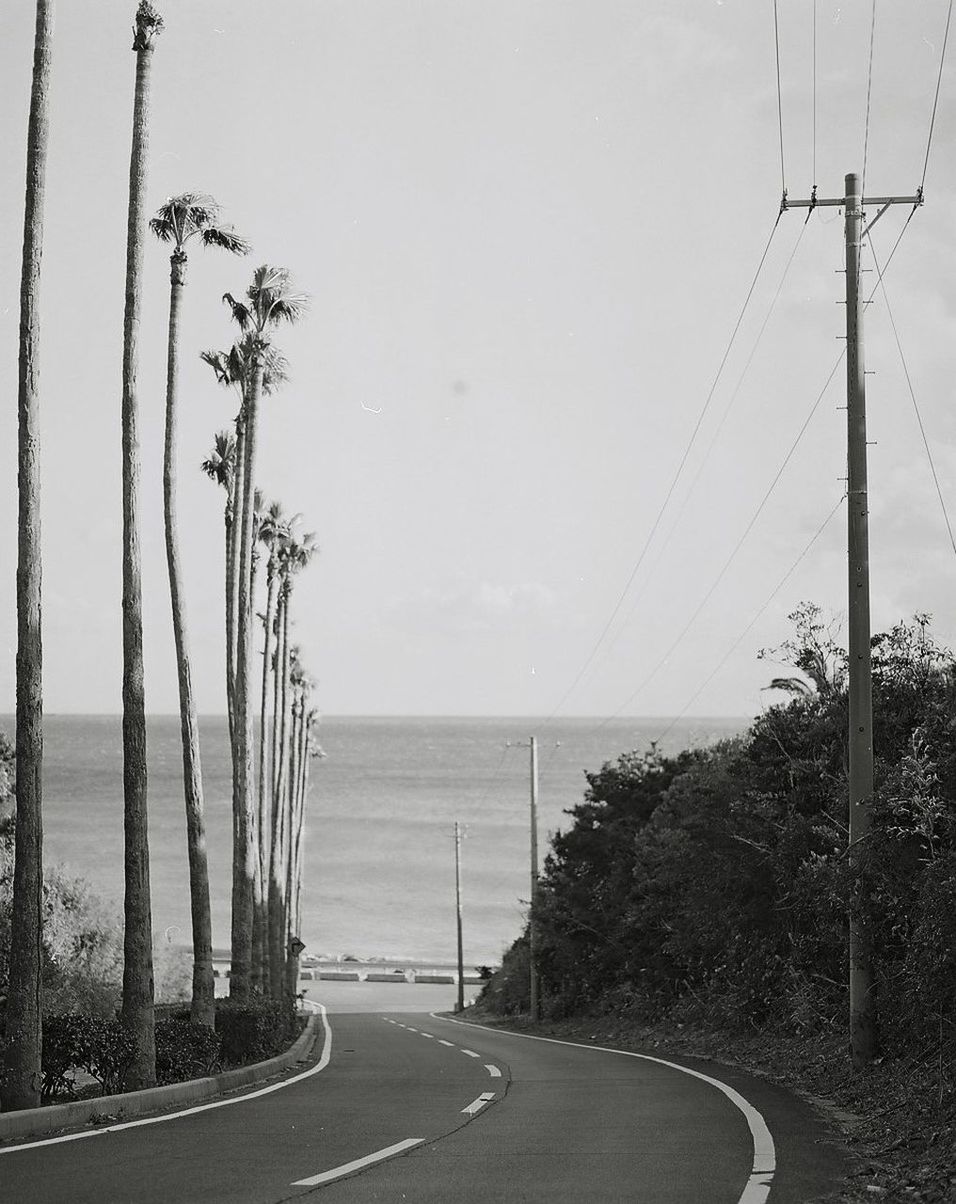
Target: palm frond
(222, 364)
(289, 309)
(240, 311)
(221, 463)
(224, 237)
(162, 227)
(275, 370)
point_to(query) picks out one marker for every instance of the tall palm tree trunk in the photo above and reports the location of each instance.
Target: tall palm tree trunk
(255, 832)
(20, 1082)
(277, 910)
(137, 944)
(261, 933)
(203, 994)
(233, 532)
(244, 856)
(274, 936)
(287, 921)
(294, 886)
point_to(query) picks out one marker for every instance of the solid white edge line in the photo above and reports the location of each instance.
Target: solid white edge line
(493, 1070)
(764, 1166)
(347, 1167)
(485, 1098)
(219, 1103)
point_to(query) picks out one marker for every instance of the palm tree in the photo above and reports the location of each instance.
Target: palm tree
(270, 301)
(181, 218)
(220, 467)
(20, 1080)
(289, 671)
(294, 556)
(299, 787)
(137, 943)
(232, 368)
(274, 529)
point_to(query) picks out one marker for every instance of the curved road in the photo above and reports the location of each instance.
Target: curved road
(456, 1113)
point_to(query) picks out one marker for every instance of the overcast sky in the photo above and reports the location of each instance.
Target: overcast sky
(527, 229)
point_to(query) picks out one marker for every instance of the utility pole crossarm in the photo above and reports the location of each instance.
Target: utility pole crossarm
(815, 202)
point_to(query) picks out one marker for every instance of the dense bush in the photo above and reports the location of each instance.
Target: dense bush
(715, 885)
(185, 1051)
(71, 1042)
(254, 1029)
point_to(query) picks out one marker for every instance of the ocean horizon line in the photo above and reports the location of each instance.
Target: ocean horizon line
(597, 717)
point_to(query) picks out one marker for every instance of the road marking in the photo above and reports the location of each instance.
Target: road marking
(450, 1044)
(493, 1070)
(410, 1029)
(429, 1036)
(476, 1105)
(764, 1165)
(219, 1103)
(471, 1053)
(359, 1163)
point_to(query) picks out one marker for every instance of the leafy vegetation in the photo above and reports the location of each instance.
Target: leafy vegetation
(711, 890)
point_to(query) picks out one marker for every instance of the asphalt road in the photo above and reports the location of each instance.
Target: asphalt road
(468, 1114)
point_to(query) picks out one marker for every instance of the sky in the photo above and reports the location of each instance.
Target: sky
(527, 229)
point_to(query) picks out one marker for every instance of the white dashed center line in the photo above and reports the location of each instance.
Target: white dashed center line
(476, 1105)
(493, 1071)
(470, 1052)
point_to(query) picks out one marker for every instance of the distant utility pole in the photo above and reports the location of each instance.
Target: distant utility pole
(532, 941)
(460, 1007)
(863, 1036)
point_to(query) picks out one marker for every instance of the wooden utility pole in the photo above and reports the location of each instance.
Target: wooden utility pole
(532, 942)
(460, 1006)
(863, 1032)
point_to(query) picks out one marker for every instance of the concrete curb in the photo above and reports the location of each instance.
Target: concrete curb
(30, 1122)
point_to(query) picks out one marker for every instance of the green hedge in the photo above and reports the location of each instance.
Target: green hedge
(255, 1029)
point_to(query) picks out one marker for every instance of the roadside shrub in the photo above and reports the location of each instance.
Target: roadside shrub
(103, 1048)
(185, 1051)
(254, 1029)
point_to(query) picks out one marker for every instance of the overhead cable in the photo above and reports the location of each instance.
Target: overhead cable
(869, 84)
(939, 79)
(761, 505)
(746, 631)
(710, 447)
(912, 392)
(776, 41)
(813, 174)
(670, 491)
(737, 546)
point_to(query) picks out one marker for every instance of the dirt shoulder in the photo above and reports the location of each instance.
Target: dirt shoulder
(896, 1121)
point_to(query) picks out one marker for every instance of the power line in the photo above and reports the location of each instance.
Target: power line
(746, 631)
(670, 491)
(912, 392)
(739, 544)
(763, 501)
(813, 174)
(776, 40)
(700, 468)
(939, 79)
(869, 84)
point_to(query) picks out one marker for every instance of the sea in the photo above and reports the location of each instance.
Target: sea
(379, 877)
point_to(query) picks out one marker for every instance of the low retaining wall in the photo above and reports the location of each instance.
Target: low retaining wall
(113, 1109)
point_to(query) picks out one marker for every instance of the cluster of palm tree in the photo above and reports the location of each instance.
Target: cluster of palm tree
(269, 803)
(267, 861)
